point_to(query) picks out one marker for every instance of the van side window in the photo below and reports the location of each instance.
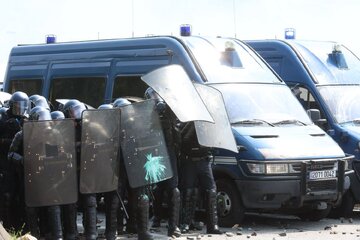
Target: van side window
(129, 86)
(29, 86)
(305, 97)
(90, 90)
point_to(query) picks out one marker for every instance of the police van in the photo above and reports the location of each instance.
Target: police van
(284, 161)
(325, 77)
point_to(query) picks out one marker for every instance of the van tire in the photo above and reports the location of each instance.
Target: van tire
(229, 205)
(346, 207)
(314, 214)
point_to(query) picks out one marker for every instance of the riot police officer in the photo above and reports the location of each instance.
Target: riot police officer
(10, 123)
(196, 170)
(138, 199)
(170, 186)
(15, 156)
(112, 201)
(73, 109)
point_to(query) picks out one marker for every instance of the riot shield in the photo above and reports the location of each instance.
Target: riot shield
(50, 163)
(100, 134)
(143, 146)
(218, 134)
(175, 87)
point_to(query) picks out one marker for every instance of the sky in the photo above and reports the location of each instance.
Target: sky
(29, 21)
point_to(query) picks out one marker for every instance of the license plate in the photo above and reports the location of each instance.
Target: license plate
(322, 174)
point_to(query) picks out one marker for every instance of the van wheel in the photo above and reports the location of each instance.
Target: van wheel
(229, 205)
(314, 214)
(345, 209)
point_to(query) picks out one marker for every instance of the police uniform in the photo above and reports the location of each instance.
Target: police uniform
(170, 186)
(196, 171)
(10, 213)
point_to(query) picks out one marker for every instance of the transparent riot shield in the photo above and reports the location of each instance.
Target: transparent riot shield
(99, 162)
(218, 134)
(176, 88)
(143, 146)
(50, 163)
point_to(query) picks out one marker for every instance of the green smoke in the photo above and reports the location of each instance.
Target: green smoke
(154, 168)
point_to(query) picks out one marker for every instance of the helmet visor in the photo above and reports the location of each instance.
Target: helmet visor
(20, 108)
(76, 111)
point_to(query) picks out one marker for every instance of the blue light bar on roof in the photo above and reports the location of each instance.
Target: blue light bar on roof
(185, 30)
(51, 38)
(290, 33)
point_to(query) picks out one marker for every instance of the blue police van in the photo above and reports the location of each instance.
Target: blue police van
(325, 77)
(284, 161)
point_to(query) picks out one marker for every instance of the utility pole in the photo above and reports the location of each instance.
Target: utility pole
(132, 17)
(234, 13)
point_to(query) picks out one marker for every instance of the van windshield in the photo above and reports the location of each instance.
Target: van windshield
(273, 104)
(343, 102)
(228, 60)
(316, 56)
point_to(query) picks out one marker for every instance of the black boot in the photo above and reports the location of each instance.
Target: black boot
(54, 222)
(157, 207)
(90, 230)
(131, 223)
(212, 218)
(187, 210)
(174, 208)
(70, 224)
(194, 225)
(143, 218)
(32, 221)
(111, 212)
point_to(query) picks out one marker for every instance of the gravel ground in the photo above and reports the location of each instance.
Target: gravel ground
(272, 227)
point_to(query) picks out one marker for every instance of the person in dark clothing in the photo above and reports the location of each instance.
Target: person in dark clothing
(11, 121)
(196, 171)
(73, 109)
(138, 199)
(16, 157)
(170, 186)
(112, 198)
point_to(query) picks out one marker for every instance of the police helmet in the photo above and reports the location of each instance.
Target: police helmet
(57, 115)
(73, 109)
(120, 102)
(37, 100)
(33, 98)
(39, 113)
(106, 106)
(151, 94)
(19, 103)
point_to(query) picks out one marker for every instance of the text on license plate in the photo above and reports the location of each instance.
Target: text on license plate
(322, 174)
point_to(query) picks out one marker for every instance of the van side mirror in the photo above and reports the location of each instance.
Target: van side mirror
(315, 116)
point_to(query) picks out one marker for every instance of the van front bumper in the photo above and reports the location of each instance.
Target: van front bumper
(285, 192)
(280, 193)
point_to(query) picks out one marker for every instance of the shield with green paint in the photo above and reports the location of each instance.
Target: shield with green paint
(143, 145)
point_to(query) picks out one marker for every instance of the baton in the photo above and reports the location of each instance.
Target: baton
(122, 204)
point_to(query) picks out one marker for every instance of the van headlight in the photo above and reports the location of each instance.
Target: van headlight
(268, 168)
